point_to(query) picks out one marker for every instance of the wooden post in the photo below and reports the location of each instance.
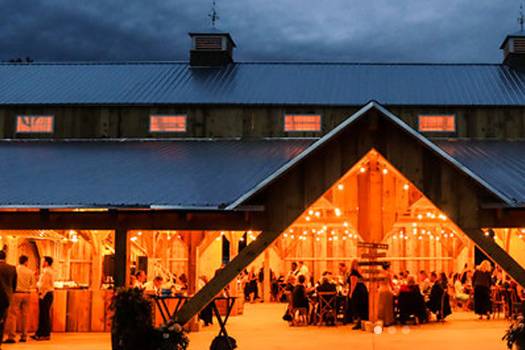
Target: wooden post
(224, 276)
(121, 277)
(498, 255)
(266, 281)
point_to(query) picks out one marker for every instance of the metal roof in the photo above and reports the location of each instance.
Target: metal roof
(157, 174)
(500, 163)
(277, 83)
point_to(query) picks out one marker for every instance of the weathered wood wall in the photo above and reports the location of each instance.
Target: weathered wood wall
(247, 121)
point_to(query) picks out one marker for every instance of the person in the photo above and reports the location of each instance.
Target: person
(206, 314)
(45, 293)
(299, 294)
(424, 282)
(482, 280)
(358, 295)
(8, 280)
(140, 279)
(460, 294)
(326, 285)
(411, 302)
(25, 283)
(386, 298)
(251, 292)
(303, 270)
(294, 271)
(439, 302)
(155, 286)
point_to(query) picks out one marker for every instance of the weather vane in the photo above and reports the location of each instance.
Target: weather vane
(214, 17)
(521, 18)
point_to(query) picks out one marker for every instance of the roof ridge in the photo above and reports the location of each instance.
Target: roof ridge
(247, 62)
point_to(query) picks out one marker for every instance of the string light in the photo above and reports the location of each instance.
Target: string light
(362, 170)
(406, 187)
(385, 171)
(340, 187)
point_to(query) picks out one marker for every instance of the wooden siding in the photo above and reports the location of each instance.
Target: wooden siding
(247, 121)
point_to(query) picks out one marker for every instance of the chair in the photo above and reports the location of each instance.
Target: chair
(498, 304)
(327, 308)
(516, 305)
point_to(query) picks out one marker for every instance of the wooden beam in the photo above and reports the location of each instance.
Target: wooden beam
(121, 277)
(224, 276)
(498, 255)
(131, 219)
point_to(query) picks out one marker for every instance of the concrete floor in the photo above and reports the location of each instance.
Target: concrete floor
(261, 327)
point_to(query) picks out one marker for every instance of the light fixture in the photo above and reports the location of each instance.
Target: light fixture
(406, 187)
(337, 212)
(385, 171)
(362, 169)
(340, 187)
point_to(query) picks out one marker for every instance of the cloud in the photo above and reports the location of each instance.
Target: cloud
(336, 30)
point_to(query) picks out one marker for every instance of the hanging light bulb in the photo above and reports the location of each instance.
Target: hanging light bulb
(307, 218)
(337, 212)
(340, 187)
(385, 171)
(318, 214)
(362, 169)
(406, 187)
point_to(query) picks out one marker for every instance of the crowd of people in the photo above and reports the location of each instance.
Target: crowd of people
(16, 285)
(401, 297)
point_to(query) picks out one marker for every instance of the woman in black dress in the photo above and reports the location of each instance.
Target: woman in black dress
(358, 295)
(482, 280)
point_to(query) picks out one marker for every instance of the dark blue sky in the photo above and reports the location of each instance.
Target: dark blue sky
(335, 30)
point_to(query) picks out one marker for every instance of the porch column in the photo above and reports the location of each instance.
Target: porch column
(121, 273)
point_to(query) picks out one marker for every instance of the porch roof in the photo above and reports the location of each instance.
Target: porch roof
(173, 174)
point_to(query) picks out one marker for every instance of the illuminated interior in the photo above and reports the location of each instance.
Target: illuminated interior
(167, 123)
(302, 123)
(437, 123)
(34, 124)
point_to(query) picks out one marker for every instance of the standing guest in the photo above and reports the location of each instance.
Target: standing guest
(299, 294)
(303, 270)
(294, 271)
(482, 280)
(45, 293)
(20, 305)
(7, 288)
(251, 287)
(206, 314)
(424, 282)
(358, 295)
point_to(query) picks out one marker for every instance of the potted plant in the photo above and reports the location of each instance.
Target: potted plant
(515, 335)
(132, 325)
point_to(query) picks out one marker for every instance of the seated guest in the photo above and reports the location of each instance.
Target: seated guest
(411, 302)
(140, 279)
(155, 286)
(439, 302)
(460, 294)
(299, 297)
(326, 285)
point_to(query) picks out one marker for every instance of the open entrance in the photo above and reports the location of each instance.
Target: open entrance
(419, 252)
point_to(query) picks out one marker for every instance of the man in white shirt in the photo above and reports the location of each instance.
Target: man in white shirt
(303, 270)
(46, 286)
(155, 286)
(20, 304)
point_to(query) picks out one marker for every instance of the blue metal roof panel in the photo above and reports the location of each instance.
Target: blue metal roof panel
(178, 174)
(262, 83)
(499, 163)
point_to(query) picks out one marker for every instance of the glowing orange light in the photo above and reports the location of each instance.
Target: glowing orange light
(167, 123)
(34, 123)
(437, 123)
(302, 122)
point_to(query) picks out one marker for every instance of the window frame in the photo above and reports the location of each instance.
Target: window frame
(306, 115)
(23, 132)
(438, 132)
(168, 131)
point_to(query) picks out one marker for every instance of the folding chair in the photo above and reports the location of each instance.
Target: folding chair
(327, 307)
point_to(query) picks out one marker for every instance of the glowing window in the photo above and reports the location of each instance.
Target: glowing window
(34, 123)
(302, 122)
(167, 123)
(437, 123)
